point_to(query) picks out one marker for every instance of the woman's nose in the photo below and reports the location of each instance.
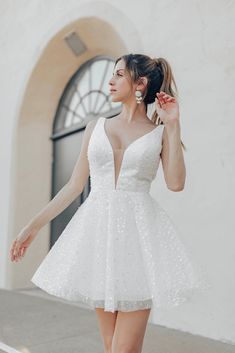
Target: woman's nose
(111, 81)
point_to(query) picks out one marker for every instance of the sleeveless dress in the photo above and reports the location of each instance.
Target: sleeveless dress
(121, 250)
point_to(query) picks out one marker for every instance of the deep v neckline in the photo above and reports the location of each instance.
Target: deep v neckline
(124, 151)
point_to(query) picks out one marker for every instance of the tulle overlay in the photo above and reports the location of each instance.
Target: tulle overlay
(121, 250)
(132, 256)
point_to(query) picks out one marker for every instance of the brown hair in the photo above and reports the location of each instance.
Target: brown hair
(159, 74)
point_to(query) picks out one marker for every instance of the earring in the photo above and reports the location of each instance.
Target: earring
(138, 96)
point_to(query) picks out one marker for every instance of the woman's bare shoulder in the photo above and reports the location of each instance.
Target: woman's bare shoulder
(90, 126)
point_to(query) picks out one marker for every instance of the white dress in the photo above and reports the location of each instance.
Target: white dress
(121, 250)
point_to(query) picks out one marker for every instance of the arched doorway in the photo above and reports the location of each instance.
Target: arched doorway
(86, 96)
(43, 81)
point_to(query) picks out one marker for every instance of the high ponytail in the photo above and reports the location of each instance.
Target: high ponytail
(160, 78)
(166, 86)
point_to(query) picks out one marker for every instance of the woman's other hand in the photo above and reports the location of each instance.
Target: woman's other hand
(22, 242)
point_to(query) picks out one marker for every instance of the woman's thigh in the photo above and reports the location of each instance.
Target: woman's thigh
(106, 320)
(129, 331)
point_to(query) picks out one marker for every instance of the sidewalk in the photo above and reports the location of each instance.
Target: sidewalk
(32, 321)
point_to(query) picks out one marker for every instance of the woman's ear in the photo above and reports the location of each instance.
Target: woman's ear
(142, 83)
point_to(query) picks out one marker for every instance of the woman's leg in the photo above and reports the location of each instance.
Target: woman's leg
(129, 331)
(106, 322)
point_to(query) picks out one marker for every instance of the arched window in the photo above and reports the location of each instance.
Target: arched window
(85, 97)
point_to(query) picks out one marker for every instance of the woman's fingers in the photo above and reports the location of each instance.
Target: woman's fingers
(23, 250)
(17, 247)
(17, 250)
(20, 254)
(164, 97)
(161, 96)
(161, 100)
(14, 248)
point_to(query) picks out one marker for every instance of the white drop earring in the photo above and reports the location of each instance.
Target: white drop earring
(138, 96)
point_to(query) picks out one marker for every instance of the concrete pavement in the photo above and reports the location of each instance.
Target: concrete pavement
(32, 321)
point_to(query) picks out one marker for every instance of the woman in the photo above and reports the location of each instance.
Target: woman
(120, 252)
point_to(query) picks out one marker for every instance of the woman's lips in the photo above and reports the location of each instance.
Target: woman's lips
(112, 91)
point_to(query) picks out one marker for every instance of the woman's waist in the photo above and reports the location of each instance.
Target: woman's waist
(103, 191)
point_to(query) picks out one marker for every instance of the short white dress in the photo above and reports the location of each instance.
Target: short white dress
(121, 250)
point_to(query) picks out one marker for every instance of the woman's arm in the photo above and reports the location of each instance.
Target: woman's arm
(172, 157)
(71, 190)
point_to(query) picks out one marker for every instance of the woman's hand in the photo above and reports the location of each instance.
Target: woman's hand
(22, 242)
(167, 108)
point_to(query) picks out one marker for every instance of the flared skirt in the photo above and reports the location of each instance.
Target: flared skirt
(121, 251)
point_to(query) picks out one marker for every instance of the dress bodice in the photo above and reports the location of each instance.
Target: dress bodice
(139, 163)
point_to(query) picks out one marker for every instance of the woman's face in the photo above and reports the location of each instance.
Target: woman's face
(120, 84)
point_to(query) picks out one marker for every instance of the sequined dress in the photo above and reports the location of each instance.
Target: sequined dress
(121, 250)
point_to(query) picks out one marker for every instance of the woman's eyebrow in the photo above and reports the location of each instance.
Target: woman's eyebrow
(119, 70)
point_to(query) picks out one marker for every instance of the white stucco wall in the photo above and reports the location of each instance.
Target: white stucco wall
(199, 44)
